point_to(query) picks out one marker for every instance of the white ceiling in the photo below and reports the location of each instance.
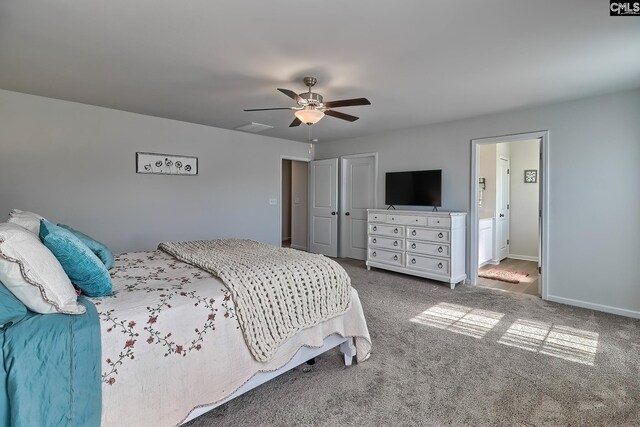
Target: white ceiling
(418, 62)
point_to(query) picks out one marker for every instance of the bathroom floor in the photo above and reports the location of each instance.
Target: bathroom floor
(527, 286)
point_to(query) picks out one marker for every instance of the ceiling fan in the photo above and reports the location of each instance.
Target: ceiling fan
(311, 107)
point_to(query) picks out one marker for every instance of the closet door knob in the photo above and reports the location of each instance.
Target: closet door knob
(439, 265)
(440, 249)
(347, 214)
(395, 243)
(440, 235)
(413, 246)
(413, 260)
(413, 233)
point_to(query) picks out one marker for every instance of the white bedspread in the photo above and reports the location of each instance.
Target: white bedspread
(171, 341)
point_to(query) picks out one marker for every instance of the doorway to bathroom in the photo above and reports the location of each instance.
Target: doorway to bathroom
(508, 220)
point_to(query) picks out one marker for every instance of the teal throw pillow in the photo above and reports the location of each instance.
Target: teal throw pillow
(84, 268)
(101, 250)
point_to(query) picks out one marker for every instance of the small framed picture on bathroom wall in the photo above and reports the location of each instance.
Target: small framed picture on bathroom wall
(166, 164)
(530, 176)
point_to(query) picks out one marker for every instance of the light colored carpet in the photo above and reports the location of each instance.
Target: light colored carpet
(470, 357)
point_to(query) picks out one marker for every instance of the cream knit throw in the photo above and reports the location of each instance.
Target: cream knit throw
(277, 292)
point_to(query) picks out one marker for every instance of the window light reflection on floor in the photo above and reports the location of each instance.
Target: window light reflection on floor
(460, 319)
(575, 345)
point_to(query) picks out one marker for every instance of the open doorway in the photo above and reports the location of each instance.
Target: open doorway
(508, 204)
(294, 203)
(508, 220)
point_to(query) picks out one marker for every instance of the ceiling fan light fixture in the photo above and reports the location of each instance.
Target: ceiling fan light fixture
(309, 116)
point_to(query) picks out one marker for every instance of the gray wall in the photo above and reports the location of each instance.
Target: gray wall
(594, 226)
(487, 169)
(75, 163)
(523, 231)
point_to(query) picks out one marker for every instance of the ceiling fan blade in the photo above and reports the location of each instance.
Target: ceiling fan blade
(339, 115)
(291, 94)
(295, 122)
(347, 103)
(268, 109)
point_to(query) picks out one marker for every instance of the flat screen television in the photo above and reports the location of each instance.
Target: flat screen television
(414, 188)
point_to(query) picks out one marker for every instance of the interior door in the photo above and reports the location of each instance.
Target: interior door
(323, 209)
(358, 194)
(502, 204)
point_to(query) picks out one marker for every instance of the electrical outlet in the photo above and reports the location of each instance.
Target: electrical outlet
(273, 201)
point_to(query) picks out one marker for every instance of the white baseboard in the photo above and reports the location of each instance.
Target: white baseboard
(300, 248)
(597, 307)
(523, 257)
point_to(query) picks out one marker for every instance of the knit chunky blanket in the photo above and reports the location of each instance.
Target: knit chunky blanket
(277, 292)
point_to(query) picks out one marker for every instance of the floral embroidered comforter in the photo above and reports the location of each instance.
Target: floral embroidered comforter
(171, 341)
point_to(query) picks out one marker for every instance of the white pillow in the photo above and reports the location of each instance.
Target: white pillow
(28, 220)
(33, 274)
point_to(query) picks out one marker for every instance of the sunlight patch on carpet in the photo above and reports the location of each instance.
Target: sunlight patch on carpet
(575, 345)
(460, 319)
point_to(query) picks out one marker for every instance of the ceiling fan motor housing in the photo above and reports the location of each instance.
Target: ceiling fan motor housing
(312, 99)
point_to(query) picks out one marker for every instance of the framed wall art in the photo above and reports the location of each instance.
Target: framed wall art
(166, 164)
(530, 176)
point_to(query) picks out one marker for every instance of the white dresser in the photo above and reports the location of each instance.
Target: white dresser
(425, 244)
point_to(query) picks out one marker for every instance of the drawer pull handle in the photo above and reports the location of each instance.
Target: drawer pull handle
(439, 265)
(439, 249)
(375, 228)
(413, 233)
(395, 257)
(413, 246)
(395, 243)
(440, 235)
(395, 231)
(413, 260)
(373, 254)
(374, 240)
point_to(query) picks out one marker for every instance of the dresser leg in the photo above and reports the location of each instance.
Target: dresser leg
(368, 268)
(452, 285)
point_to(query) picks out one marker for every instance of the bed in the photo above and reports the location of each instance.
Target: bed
(171, 347)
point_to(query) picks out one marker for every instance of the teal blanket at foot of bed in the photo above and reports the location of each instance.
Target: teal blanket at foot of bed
(51, 373)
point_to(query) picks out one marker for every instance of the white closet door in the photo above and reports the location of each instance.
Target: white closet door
(323, 209)
(358, 194)
(502, 222)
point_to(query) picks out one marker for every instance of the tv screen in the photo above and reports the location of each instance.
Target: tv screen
(414, 188)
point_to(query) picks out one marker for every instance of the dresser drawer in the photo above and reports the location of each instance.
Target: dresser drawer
(428, 234)
(376, 217)
(428, 248)
(387, 230)
(437, 221)
(427, 263)
(386, 242)
(407, 219)
(387, 257)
